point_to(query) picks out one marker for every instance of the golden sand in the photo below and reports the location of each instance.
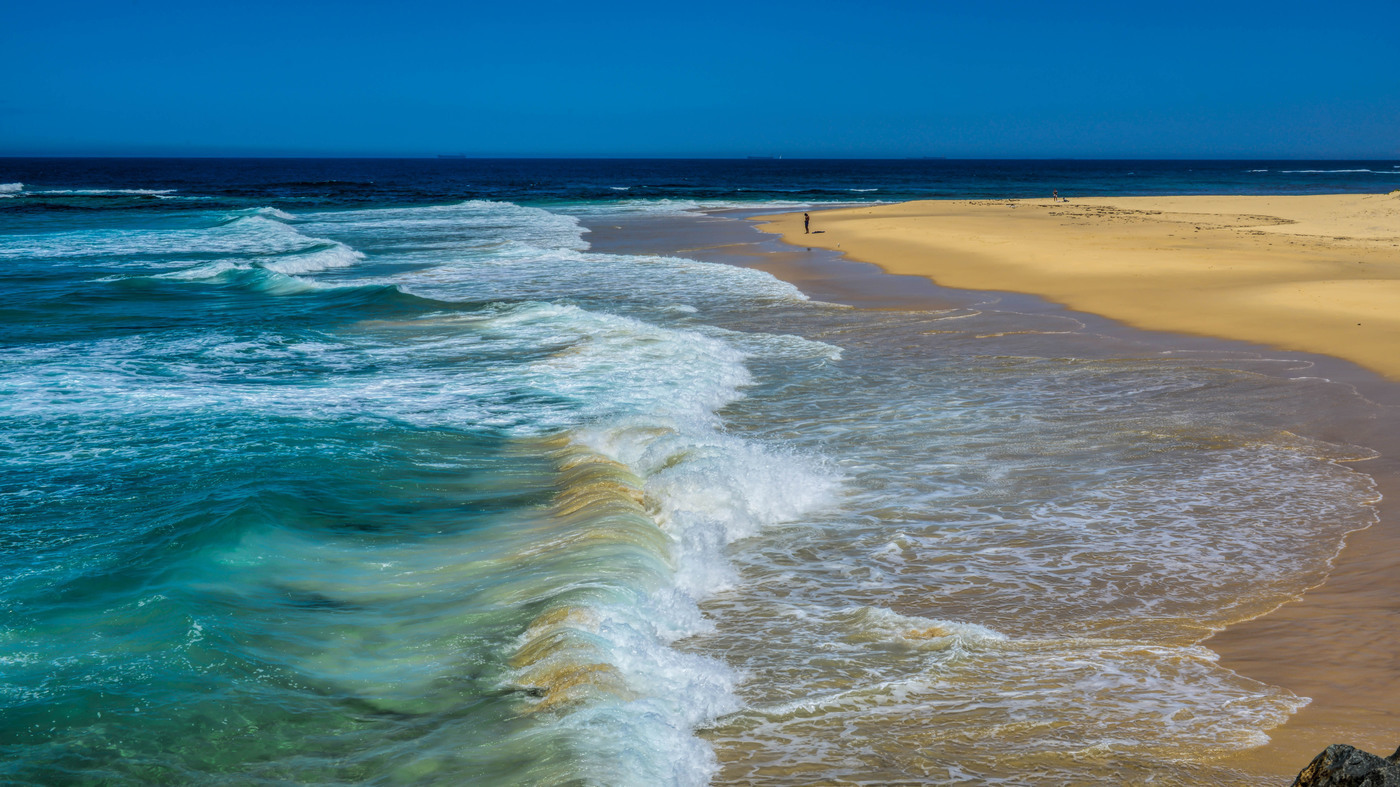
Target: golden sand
(1314, 273)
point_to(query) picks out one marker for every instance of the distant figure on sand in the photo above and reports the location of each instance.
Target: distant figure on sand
(1056, 195)
(806, 223)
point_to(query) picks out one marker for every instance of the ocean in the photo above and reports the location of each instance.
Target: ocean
(457, 471)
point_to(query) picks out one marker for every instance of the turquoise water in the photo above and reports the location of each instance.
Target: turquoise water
(437, 493)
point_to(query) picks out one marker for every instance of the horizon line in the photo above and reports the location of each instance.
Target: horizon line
(763, 159)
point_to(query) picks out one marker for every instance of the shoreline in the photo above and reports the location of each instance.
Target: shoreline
(1336, 643)
(1305, 645)
(1317, 273)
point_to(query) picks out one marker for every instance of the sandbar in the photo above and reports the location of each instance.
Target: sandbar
(1317, 273)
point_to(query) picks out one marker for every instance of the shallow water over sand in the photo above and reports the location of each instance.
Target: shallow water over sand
(1038, 525)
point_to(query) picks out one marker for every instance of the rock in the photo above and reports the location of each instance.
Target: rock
(1340, 765)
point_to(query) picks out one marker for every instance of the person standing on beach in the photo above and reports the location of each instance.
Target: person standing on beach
(1055, 195)
(806, 223)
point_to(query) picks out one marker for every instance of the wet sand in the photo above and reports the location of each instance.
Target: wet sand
(1339, 644)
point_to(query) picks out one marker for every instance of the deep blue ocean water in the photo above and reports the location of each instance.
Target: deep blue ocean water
(344, 471)
(334, 183)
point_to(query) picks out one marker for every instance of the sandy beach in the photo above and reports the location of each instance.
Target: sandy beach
(1316, 274)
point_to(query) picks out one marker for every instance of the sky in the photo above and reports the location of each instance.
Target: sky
(994, 79)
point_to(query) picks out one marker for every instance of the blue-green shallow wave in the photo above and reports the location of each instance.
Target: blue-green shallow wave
(264, 523)
(199, 584)
(257, 599)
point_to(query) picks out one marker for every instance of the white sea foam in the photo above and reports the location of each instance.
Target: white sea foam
(767, 345)
(269, 212)
(657, 416)
(483, 249)
(10, 189)
(481, 224)
(865, 624)
(680, 207)
(650, 739)
(1333, 171)
(524, 270)
(712, 489)
(202, 271)
(255, 239)
(1153, 701)
(337, 255)
(106, 192)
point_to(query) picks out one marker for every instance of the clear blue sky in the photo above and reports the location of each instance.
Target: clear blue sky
(966, 79)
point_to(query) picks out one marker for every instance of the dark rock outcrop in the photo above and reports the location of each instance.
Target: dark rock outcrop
(1340, 765)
